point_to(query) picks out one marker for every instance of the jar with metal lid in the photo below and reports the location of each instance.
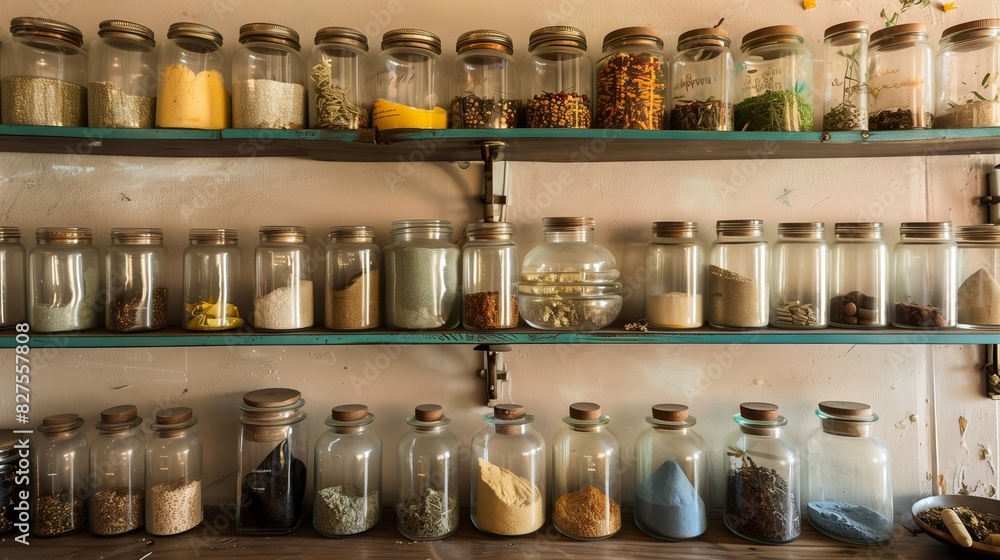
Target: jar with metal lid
(968, 75)
(508, 474)
(701, 81)
(173, 473)
(484, 81)
(283, 288)
(845, 76)
(421, 276)
(675, 262)
(273, 450)
(800, 290)
(348, 481)
(632, 80)
(859, 286)
(43, 74)
(122, 88)
(738, 272)
(353, 263)
(12, 277)
(762, 474)
(269, 83)
(60, 489)
(559, 78)
(212, 265)
(489, 272)
(191, 83)
(340, 88)
(427, 476)
(978, 296)
(901, 79)
(409, 87)
(135, 268)
(63, 280)
(14, 457)
(774, 81)
(117, 472)
(924, 276)
(849, 475)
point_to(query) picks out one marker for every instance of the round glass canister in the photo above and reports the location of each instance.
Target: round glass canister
(408, 82)
(508, 474)
(60, 489)
(269, 88)
(173, 473)
(848, 478)
(845, 83)
(800, 291)
(586, 475)
(559, 79)
(427, 476)
(632, 80)
(135, 268)
(968, 78)
(340, 94)
(675, 262)
(762, 473)
(978, 298)
(12, 277)
(14, 457)
(737, 275)
(901, 80)
(63, 274)
(924, 276)
(212, 280)
(484, 81)
(273, 450)
(774, 79)
(43, 74)
(421, 276)
(117, 472)
(191, 86)
(859, 286)
(489, 272)
(122, 88)
(283, 288)
(348, 466)
(353, 291)
(701, 81)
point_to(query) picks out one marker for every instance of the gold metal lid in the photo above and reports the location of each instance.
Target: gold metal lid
(212, 236)
(739, 228)
(343, 35)
(126, 30)
(269, 33)
(628, 36)
(69, 235)
(136, 236)
(283, 234)
(703, 36)
(10, 234)
(978, 232)
(190, 30)
(484, 39)
(852, 230)
(352, 233)
(772, 34)
(489, 230)
(44, 27)
(675, 229)
(568, 223)
(414, 38)
(926, 230)
(557, 35)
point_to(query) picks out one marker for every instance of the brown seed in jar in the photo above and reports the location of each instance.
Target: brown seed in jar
(865, 322)
(853, 297)
(850, 309)
(865, 315)
(867, 302)
(851, 320)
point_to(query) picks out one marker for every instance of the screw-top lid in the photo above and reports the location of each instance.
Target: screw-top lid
(136, 236)
(489, 230)
(975, 29)
(175, 415)
(212, 236)
(63, 235)
(10, 234)
(269, 33)
(428, 412)
(858, 230)
(568, 223)
(342, 35)
(272, 398)
(484, 39)
(20, 26)
(669, 412)
(126, 30)
(629, 36)
(557, 35)
(675, 229)
(189, 30)
(898, 34)
(584, 411)
(349, 412)
(926, 230)
(740, 228)
(414, 38)
(801, 230)
(759, 411)
(771, 35)
(978, 232)
(439, 228)
(352, 233)
(508, 411)
(282, 234)
(848, 27)
(703, 37)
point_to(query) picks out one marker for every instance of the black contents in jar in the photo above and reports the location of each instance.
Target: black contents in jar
(855, 309)
(899, 119)
(711, 114)
(274, 493)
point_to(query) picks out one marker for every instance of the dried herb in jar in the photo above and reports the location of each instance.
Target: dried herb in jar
(333, 108)
(711, 114)
(775, 111)
(558, 110)
(899, 119)
(630, 90)
(760, 504)
(471, 111)
(845, 116)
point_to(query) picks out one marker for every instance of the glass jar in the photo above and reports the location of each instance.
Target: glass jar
(273, 450)
(848, 479)
(586, 475)
(978, 297)
(135, 268)
(191, 86)
(117, 472)
(283, 288)
(484, 81)
(427, 476)
(924, 276)
(859, 265)
(340, 94)
(489, 272)
(675, 261)
(624, 101)
(122, 88)
(61, 488)
(269, 88)
(845, 83)
(43, 81)
(348, 479)
(12, 277)
(173, 473)
(800, 293)
(968, 66)
(762, 471)
(901, 79)
(63, 283)
(701, 81)
(738, 274)
(421, 276)
(408, 81)
(774, 81)
(508, 474)
(559, 78)
(212, 270)
(14, 456)
(353, 261)
(670, 475)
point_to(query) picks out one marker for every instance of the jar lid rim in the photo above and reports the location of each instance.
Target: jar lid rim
(191, 30)
(347, 35)
(413, 38)
(269, 32)
(470, 39)
(65, 31)
(639, 34)
(127, 30)
(772, 33)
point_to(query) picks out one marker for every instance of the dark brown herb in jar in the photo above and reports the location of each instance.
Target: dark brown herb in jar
(919, 315)
(630, 90)
(899, 119)
(471, 111)
(845, 116)
(760, 504)
(483, 310)
(60, 513)
(710, 114)
(558, 110)
(128, 312)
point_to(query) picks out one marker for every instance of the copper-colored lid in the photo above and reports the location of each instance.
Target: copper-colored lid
(175, 415)
(585, 411)
(272, 398)
(428, 412)
(119, 414)
(670, 412)
(759, 411)
(349, 412)
(508, 411)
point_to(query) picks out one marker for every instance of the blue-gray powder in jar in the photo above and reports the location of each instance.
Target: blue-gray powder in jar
(668, 506)
(849, 522)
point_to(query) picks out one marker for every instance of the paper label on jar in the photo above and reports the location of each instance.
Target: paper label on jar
(386, 115)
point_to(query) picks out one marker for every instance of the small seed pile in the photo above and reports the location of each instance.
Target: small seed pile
(423, 286)
(356, 306)
(134, 311)
(78, 314)
(845, 116)
(345, 510)
(34, 101)
(332, 106)
(485, 311)
(630, 91)
(912, 314)
(175, 506)
(587, 513)
(570, 314)
(711, 114)
(59, 513)
(979, 525)
(111, 107)
(796, 313)
(471, 111)
(735, 299)
(117, 510)
(970, 115)
(899, 119)
(855, 308)
(430, 515)
(268, 104)
(558, 110)
(285, 308)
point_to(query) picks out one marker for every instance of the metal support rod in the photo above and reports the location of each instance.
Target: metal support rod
(494, 197)
(990, 369)
(990, 364)
(494, 370)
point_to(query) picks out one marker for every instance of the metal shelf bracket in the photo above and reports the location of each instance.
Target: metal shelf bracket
(494, 370)
(494, 197)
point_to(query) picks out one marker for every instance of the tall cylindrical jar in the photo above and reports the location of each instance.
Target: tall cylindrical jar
(348, 481)
(701, 81)
(353, 284)
(859, 283)
(774, 81)
(508, 474)
(409, 87)
(340, 90)
(43, 74)
(63, 280)
(283, 287)
(968, 66)
(60, 489)
(191, 83)
(273, 450)
(849, 475)
(675, 262)
(632, 80)
(845, 76)
(800, 292)
(489, 273)
(122, 88)
(13, 270)
(269, 87)
(427, 476)
(924, 276)
(117, 472)
(901, 81)
(212, 283)
(978, 299)
(559, 79)
(421, 276)
(173, 473)
(485, 90)
(13, 450)
(135, 268)
(738, 272)
(762, 474)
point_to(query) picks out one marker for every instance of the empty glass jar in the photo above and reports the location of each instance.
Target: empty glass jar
(924, 276)
(559, 77)
(348, 464)
(774, 79)
(489, 272)
(63, 280)
(675, 261)
(978, 297)
(845, 76)
(135, 269)
(191, 83)
(283, 287)
(212, 271)
(800, 292)
(61, 486)
(427, 476)
(12, 277)
(122, 88)
(173, 473)
(738, 275)
(421, 276)
(968, 66)
(409, 88)
(701, 81)
(484, 81)
(117, 472)
(632, 80)
(353, 293)
(268, 78)
(859, 268)
(340, 93)
(901, 81)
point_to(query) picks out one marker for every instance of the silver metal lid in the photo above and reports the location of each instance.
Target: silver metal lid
(568, 223)
(9, 234)
(557, 35)
(189, 30)
(859, 230)
(801, 230)
(415, 38)
(978, 233)
(484, 39)
(442, 227)
(740, 228)
(629, 36)
(352, 233)
(343, 35)
(136, 236)
(269, 33)
(675, 229)
(283, 234)
(212, 236)
(926, 230)
(126, 30)
(46, 27)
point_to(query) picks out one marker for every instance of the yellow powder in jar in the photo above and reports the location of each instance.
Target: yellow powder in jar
(189, 100)
(507, 504)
